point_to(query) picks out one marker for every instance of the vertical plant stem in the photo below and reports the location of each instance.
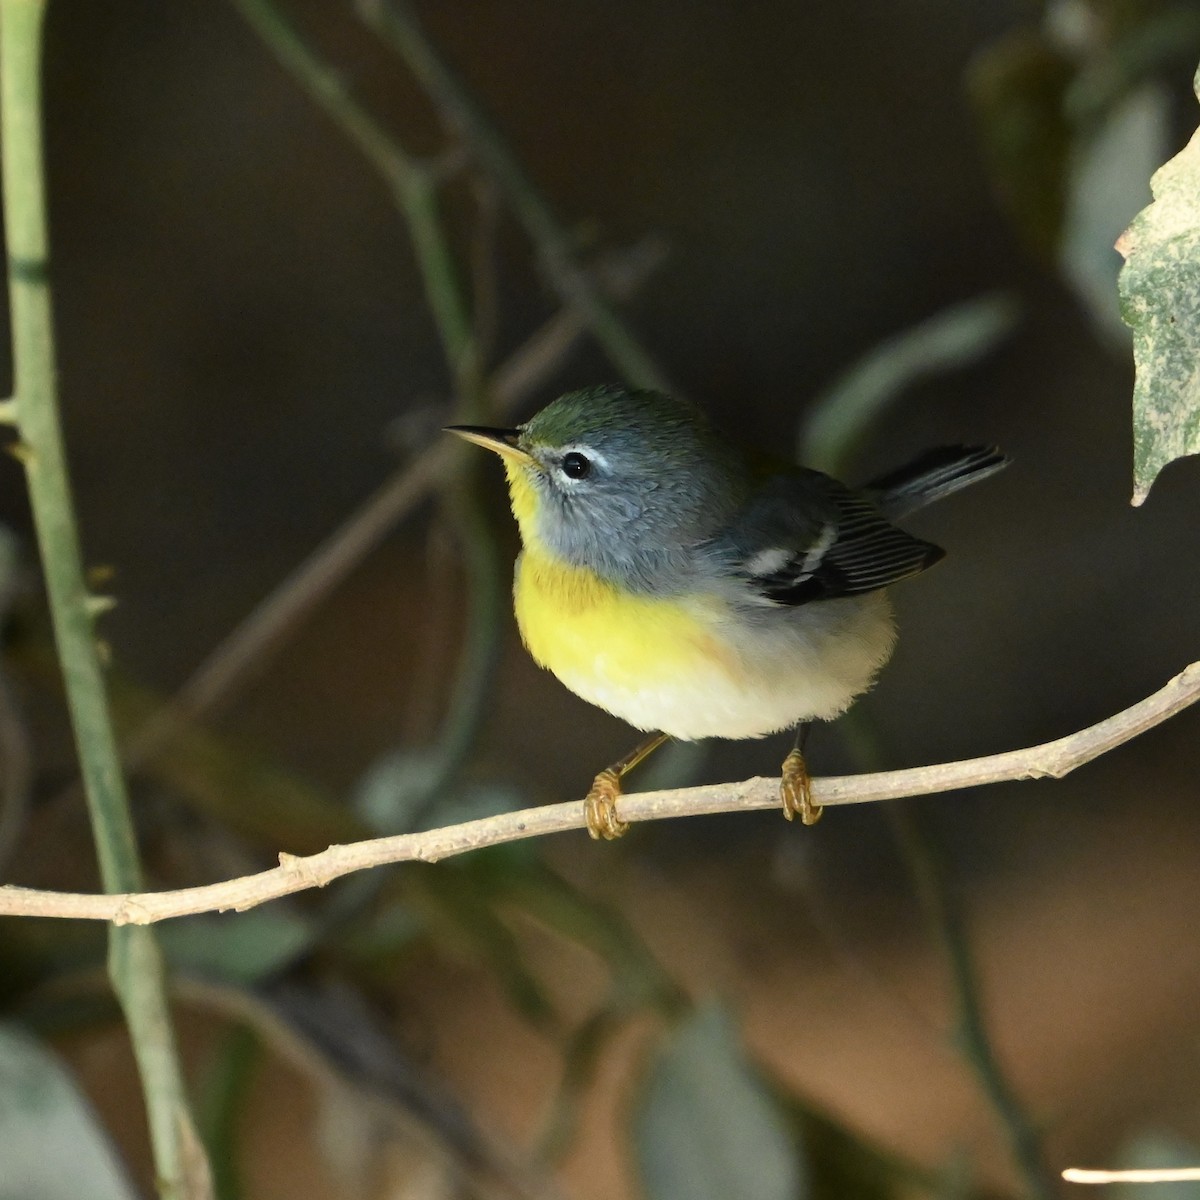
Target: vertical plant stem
(411, 181)
(946, 922)
(415, 188)
(225, 1093)
(446, 295)
(398, 25)
(135, 962)
(944, 917)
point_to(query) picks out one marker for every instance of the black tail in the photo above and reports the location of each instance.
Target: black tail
(935, 474)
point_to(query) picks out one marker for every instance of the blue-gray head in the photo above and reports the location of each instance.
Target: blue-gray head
(624, 482)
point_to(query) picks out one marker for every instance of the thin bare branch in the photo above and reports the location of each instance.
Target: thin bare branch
(295, 874)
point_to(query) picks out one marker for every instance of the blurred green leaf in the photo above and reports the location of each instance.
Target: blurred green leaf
(706, 1128)
(840, 417)
(403, 792)
(1156, 1151)
(1160, 302)
(1145, 44)
(243, 948)
(51, 1147)
(379, 936)
(1018, 88)
(396, 790)
(842, 1166)
(470, 802)
(1109, 183)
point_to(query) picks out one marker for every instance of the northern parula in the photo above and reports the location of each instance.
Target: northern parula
(693, 590)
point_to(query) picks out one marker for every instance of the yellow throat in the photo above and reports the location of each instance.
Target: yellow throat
(600, 641)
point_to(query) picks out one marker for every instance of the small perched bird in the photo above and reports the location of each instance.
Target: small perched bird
(695, 591)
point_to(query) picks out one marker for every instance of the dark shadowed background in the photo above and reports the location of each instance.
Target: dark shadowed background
(246, 353)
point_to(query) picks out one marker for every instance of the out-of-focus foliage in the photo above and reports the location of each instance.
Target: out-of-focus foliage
(706, 1127)
(1157, 1152)
(839, 418)
(51, 1146)
(1073, 119)
(841, 1166)
(1108, 182)
(1019, 86)
(245, 948)
(1160, 300)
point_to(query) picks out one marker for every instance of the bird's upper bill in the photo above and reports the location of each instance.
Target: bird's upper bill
(503, 441)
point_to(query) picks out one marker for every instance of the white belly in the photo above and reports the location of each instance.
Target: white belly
(789, 666)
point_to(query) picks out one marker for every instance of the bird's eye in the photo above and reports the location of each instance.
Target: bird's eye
(576, 465)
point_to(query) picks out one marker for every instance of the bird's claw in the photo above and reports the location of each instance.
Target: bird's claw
(600, 807)
(795, 790)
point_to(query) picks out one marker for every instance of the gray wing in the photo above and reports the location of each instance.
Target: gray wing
(803, 536)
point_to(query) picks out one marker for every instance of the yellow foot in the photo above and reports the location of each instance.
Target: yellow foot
(795, 789)
(600, 807)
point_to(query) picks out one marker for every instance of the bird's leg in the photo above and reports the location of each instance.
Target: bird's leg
(600, 807)
(795, 787)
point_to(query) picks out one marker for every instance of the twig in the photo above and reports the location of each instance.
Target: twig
(1156, 1175)
(294, 874)
(397, 24)
(135, 961)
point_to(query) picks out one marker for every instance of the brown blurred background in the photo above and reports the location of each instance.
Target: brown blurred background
(240, 326)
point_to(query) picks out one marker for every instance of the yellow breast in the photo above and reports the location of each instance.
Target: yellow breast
(583, 629)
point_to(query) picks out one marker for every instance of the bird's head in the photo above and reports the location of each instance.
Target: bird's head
(622, 482)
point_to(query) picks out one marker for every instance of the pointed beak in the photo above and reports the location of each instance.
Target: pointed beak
(502, 441)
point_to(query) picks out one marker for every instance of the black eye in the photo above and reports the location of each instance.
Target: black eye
(576, 465)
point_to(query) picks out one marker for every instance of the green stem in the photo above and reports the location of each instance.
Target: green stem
(328, 88)
(485, 583)
(583, 1055)
(398, 25)
(414, 187)
(231, 1077)
(418, 200)
(412, 182)
(486, 587)
(924, 862)
(135, 962)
